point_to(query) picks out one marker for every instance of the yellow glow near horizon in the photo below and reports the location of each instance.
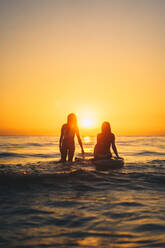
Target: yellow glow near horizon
(97, 59)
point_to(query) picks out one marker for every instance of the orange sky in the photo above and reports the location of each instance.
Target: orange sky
(103, 60)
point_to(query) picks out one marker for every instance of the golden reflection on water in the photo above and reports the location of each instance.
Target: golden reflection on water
(87, 144)
(90, 241)
(100, 235)
(115, 239)
(86, 139)
(88, 150)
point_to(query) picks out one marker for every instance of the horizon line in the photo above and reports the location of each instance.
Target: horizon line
(121, 135)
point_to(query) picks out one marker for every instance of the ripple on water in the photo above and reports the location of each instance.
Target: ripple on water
(151, 227)
(44, 204)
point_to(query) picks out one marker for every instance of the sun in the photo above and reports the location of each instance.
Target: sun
(87, 123)
(87, 118)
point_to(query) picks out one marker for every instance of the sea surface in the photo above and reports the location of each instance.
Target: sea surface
(48, 204)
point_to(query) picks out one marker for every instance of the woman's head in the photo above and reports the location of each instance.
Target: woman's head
(106, 128)
(72, 120)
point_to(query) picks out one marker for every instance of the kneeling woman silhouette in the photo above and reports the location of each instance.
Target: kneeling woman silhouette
(67, 145)
(104, 141)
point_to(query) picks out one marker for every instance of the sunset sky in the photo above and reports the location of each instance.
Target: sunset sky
(101, 59)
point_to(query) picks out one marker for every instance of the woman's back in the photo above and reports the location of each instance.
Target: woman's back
(68, 131)
(104, 141)
(103, 145)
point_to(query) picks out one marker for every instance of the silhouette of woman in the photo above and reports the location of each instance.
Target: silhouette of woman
(67, 145)
(104, 141)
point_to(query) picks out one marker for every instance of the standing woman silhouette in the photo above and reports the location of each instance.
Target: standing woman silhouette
(67, 145)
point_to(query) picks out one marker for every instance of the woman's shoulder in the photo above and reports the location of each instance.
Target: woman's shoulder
(112, 136)
(99, 137)
(99, 134)
(65, 125)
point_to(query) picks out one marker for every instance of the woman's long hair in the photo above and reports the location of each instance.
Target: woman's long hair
(72, 120)
(106, 128)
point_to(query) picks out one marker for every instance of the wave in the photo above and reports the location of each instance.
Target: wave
(80, 177)
(158, 161)
(39, 155)
(83, 177)
(27, 145)
(148, 153)
(39, 144)
(81, 180)
(150, 227)
(10, 154)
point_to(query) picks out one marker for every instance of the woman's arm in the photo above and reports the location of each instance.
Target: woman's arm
(79, 140)
(114, 147)
(61, 137)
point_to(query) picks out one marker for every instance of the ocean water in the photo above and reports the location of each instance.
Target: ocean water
(46, 204)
